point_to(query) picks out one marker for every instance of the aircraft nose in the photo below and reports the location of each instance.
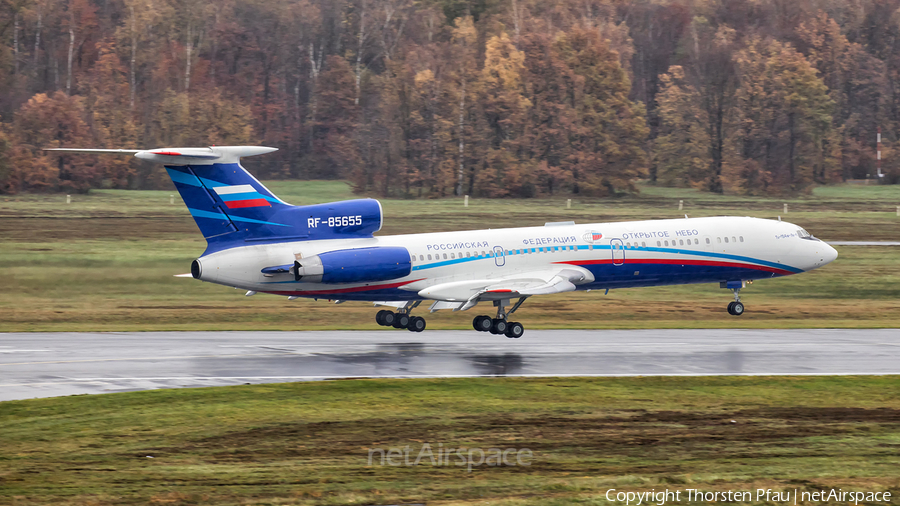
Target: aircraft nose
(820, 254)
(830, 254)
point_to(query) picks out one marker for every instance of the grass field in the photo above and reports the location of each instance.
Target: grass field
(308, 443)
(106, 261)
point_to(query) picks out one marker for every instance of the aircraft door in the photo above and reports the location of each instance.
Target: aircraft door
(499, 257)
(618, 251)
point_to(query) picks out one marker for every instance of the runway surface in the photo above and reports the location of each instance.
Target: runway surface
(864, 243)
(53, 364)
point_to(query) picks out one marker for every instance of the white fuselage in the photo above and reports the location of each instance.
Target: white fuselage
(615, 255)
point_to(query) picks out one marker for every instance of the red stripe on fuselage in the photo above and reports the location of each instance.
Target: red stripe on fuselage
(237, 204)
(709, 263)
(347, 290)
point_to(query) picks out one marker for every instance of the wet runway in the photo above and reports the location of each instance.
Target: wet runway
(53, 364)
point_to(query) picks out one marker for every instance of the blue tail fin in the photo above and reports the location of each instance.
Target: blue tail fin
(232, 208)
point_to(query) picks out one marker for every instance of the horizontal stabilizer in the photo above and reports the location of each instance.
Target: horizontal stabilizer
(96, 151)
(180, 156)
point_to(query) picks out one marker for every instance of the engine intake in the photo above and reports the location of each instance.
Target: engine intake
(354, 265)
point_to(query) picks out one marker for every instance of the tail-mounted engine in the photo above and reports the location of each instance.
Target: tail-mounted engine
(354, 265)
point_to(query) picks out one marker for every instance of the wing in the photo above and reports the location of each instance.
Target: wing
(462, 295)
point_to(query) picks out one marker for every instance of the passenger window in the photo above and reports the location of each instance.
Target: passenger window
(733, 239)
(452, 255)
(681, 242)
(429, 257)
(726, 240)
(667, 242)
(445, 256)
(468, 254)
(696, 241)
(658, 243)
(742, 238)
(643, 244)
(707, 240)
(719, 240)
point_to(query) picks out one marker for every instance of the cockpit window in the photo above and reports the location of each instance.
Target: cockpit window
(803, 234)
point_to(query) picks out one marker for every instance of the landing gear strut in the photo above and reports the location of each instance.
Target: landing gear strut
(736, 308)
(500, 325)
(401, 319)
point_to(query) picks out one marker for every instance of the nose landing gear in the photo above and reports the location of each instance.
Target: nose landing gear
(735, 308)
(500, 325)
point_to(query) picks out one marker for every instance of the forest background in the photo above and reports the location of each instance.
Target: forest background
(429, 98)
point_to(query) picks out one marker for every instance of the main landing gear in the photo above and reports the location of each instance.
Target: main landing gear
(401, 319)
(500, 325)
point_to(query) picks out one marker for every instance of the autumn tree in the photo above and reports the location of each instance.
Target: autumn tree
(52, 121)
(609, 141)
(505, 109)
(682, 148)
(856, 84)
(785, 119)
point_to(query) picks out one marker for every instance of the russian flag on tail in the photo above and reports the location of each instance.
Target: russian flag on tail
(241, 196)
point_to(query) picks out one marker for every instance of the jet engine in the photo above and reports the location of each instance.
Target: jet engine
(354, 265)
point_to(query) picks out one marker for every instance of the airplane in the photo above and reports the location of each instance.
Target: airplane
(259, 243)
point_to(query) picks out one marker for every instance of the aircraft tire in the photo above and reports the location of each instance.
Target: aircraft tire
(482, 323)
(731, 308)
(737, 309)
(401, 321)
(515, 330)
(388, 318)
(379, 317)
(498, 326)
(416, 324)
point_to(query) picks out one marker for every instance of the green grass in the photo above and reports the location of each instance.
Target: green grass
(106, 262)
(308, 443)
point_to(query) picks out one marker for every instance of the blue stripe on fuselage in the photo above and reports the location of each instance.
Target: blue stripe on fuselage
(709, 254)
